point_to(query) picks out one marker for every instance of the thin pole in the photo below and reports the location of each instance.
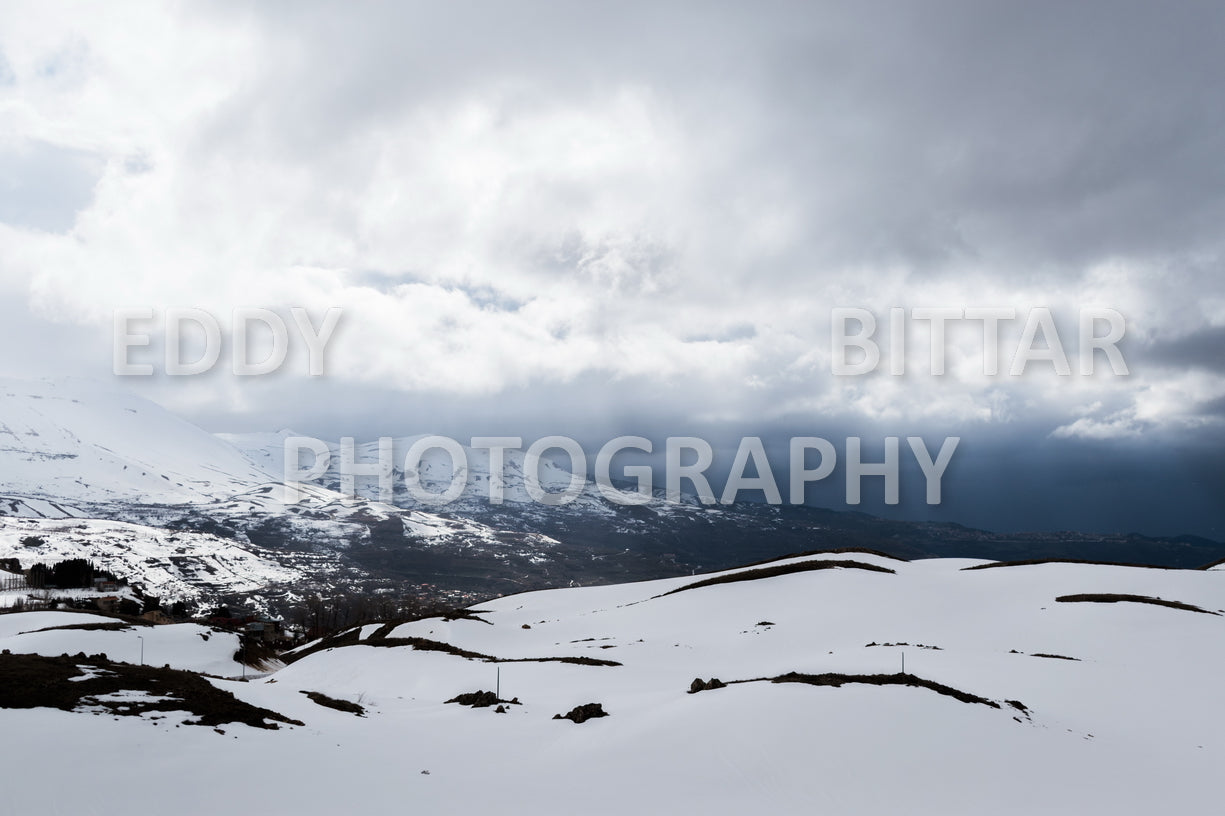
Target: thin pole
(903, 662)
(498, 692)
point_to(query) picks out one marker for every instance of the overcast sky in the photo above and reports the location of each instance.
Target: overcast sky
(620, 218)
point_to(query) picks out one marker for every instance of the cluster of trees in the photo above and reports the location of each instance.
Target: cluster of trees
(73, 573)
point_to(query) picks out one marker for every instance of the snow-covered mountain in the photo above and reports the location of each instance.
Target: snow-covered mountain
(1046, 688)
(80, 441)
(434, 471)
(73, 449)
(183, 512)
(173, 565)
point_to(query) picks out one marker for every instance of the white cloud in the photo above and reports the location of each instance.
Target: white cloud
(492, 216)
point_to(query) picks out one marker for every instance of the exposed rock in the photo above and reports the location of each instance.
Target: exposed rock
(699, 684)
(482, 699)
(583, 713)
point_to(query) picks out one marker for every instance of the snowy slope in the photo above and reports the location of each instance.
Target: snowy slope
(172, 565)
(75, 449)
(25, 507)
(1121, 704)
(78, 440)
(186, 646)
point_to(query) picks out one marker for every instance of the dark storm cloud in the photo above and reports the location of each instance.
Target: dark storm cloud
(1027, 133)
(798, 156)
(1203, 348)
(1015, 133)
(1027, 140)
(1213, 407)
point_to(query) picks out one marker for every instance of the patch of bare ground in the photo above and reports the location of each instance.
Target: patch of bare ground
(385, 630)
(835, 551)
(836, 680)
(465, 614)
(427, 645)
(1029, 562)
(347, 706)
(92, 683)
(1091, 597)
(256, 654)
(775, 571)
(482, 699)
(108, 626)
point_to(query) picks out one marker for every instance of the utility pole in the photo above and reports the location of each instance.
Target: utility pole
(903, 662)
(142, 649)
(498, 688)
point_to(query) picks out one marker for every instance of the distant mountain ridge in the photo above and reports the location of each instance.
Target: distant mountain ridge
(73, 449)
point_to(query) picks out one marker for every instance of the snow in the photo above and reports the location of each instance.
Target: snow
(77, 449)
(171, 565)
(75, 439)
(1132, 725)
(435, 472)
(187, 646)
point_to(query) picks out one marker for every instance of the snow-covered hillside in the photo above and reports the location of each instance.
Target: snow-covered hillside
(172, 565)
(186, 646)
(130, 481)
(79, 440)
(1045, 688)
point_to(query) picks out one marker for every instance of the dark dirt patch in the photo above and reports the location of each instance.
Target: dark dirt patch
(256, 654)
(331, 702)
(1055, 656)
(482, 699)
(1029, 562)
(34, 681)
(384, 630)
(781, 569)
(583, 713)
(910, 645)
(1116, 598)
(836, 680)
(428, 645)
(349, 638)
(109, 626)
(465, 614)
(834, 551)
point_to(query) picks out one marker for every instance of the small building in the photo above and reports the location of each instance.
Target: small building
(156, 616)
(107, 603)
(269, 631)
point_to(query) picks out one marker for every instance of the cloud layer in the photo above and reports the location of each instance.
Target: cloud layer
(641, 214)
